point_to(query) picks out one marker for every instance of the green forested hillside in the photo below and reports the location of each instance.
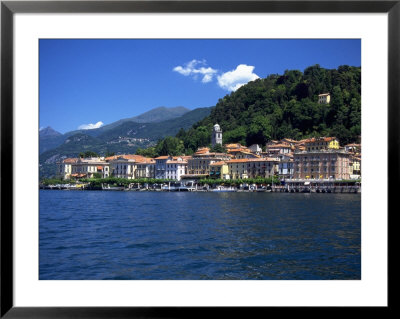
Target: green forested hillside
(282, 106)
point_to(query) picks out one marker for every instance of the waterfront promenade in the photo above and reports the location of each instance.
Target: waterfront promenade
(291, 186)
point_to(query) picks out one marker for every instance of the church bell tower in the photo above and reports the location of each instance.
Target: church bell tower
(216, 137)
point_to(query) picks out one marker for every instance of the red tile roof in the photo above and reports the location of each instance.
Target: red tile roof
(246, 160)
(218, 163)
(317, 139)
(126, 156)
(70, 160)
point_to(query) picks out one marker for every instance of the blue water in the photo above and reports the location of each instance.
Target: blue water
(162, 235)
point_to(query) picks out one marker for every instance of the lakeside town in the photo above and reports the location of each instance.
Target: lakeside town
(318, 164)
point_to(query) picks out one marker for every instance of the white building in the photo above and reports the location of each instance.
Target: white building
(64, 169)
(175, 168)
(255, 148)
(161, 166)
(168, 167)
(216, 136)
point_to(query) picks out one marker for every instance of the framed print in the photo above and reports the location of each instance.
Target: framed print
(209, 155)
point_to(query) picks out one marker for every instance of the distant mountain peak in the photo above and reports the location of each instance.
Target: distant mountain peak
(48, 131)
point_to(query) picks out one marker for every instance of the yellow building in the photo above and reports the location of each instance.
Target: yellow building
(200, 161)
(321, 143)
(238, 168)
(219, 170)
(355, 166)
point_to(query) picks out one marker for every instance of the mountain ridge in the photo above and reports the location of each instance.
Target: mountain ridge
(50, 139)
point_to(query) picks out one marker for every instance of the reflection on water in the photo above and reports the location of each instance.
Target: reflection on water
(147, 235)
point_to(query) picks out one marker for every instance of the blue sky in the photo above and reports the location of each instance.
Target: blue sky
(89, 83)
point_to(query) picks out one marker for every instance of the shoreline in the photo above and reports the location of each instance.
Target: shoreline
(272, 189)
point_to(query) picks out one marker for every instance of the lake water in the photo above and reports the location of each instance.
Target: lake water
(180, 235)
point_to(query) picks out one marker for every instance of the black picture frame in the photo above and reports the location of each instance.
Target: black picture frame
(9, 8)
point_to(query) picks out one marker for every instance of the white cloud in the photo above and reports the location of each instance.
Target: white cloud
(232, 80)
(195, 68)
(207, 78)
(90, 126)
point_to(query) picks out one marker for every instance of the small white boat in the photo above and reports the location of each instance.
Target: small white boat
(107, 187)
(223, 189)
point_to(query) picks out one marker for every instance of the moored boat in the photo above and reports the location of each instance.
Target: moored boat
(223, 189)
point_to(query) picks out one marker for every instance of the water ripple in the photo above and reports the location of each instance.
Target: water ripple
(145, 235)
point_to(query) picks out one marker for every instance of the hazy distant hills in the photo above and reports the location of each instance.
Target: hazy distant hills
(123, 136)
(50, 139)
(48, 132)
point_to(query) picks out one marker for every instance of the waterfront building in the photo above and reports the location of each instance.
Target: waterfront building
(320, 143)
(324, 98)
(321, 164)
(355, 166)
(285, 166)
(238, 168)
(175, 168)
(64, 168)
(145, 168)
(90, 167)
(161, 166)
(200, 162)
(219, 170)
(171, 167)
(252, 168)
(216, 136)
(124, 166)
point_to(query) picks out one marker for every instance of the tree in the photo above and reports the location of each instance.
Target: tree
(260, 131)
(218, 148)
(147, 152)
(88, 154)
(170, 146)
